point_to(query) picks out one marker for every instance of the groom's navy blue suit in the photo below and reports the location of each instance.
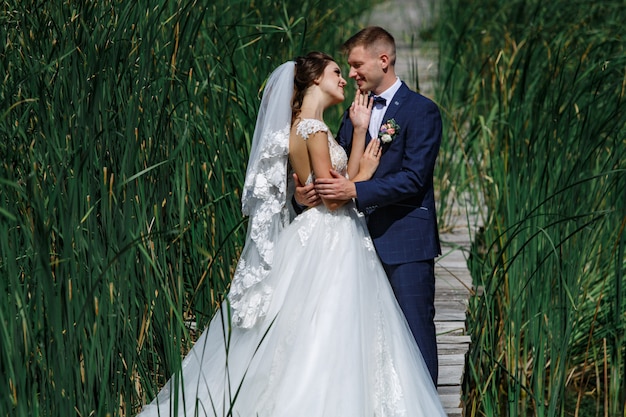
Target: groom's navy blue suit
(400, 207)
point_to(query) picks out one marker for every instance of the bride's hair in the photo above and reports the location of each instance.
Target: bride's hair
(308, 69)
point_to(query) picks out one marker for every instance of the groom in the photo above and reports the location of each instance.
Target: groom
(399, 199)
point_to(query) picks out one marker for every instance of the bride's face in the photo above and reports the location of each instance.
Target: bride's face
(332, 83)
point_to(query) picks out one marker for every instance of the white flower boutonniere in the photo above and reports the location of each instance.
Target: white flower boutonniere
(388, 131)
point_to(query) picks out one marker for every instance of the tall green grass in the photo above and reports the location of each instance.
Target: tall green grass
(124, 133)
(534, 94)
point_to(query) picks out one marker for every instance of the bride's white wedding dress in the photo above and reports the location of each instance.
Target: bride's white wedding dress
(333, 342)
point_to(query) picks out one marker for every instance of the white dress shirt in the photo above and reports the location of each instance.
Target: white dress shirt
(379, 110)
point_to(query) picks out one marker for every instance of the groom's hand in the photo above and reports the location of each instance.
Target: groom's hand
(336, 188)
(305, 195)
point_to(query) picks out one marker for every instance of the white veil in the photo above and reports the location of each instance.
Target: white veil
(264, 198)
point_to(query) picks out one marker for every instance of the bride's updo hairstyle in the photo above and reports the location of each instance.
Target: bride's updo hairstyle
(308, 69)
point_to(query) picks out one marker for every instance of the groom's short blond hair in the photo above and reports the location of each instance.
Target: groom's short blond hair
(373, 38)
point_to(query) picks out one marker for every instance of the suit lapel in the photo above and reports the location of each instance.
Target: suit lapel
(396, 103)
(392, 109)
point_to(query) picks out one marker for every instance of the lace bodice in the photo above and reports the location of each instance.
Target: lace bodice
(338, 156)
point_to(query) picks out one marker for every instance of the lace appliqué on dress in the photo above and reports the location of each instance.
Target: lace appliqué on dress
(388, 395)
(307, 127)
(264, 201)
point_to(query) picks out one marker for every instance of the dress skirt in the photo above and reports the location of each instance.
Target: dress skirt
(334, 342)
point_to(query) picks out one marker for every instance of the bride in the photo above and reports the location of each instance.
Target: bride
(311, 327)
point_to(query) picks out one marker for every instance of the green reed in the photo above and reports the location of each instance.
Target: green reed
(534, 94)
(124, 133)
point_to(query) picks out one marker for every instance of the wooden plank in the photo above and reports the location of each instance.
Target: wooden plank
(448, 390)
(456, 412)
(453, 302)
(444, 316)
(452, 359)
(444, 339)
(453, 257)
(450, 402)
(453, 281)
(452, 349)
(450, 328)
(451, 374)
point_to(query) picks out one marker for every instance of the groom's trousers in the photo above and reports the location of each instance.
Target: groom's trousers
(414, 286)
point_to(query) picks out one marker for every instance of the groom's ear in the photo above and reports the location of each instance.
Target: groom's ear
(384, 61)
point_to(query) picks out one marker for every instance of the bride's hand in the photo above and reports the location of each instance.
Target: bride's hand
(370, 159)
(305, 195)
(361, 110)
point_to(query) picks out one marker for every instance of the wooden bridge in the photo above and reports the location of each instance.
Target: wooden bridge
(452, 289)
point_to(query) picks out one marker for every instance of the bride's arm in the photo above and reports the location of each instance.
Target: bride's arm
(319, 155)
(336, 187)
(360, 113)
(339, 188)
(369, 161)
(363, 161)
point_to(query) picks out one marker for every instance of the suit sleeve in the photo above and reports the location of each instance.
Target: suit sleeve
(422, 137)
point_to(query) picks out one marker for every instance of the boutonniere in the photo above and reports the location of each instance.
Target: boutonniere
(388, 131)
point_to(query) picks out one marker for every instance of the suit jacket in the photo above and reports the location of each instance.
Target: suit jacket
(399, 199)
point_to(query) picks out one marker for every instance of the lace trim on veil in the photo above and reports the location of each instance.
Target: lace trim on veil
(264, 201)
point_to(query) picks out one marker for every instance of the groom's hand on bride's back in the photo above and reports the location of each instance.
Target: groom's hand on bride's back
(305, 195)
(337, 187)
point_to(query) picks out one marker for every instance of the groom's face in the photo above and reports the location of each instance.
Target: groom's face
(365, 69)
